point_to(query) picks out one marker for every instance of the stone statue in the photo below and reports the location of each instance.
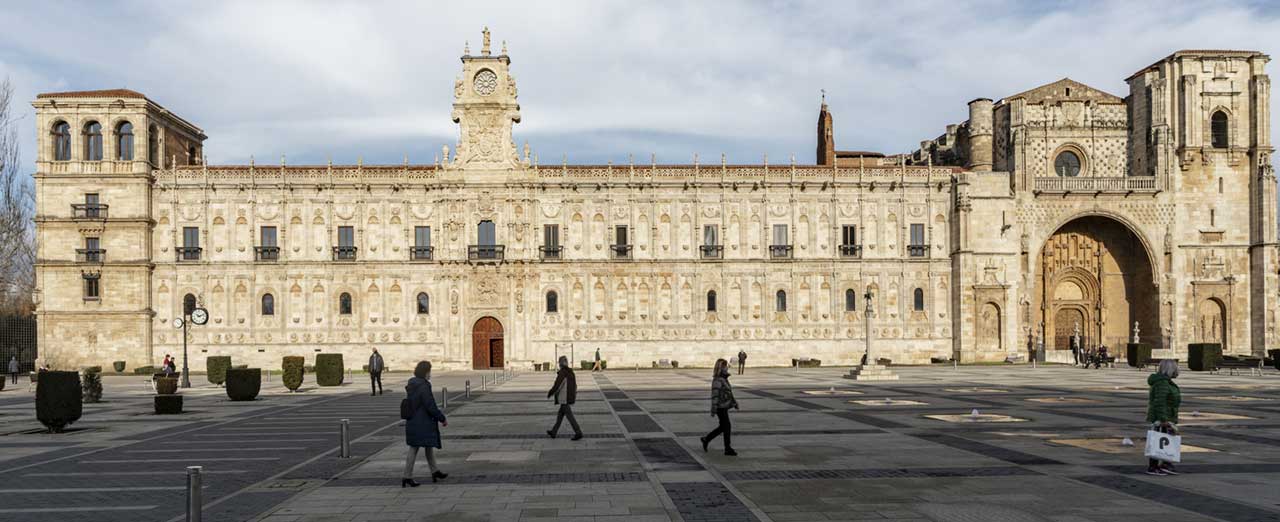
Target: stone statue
(484, 50)
(444, 152)
(1075, 336)
(1135, 333)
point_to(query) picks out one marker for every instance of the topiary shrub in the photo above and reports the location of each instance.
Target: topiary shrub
(91, 369)
(144, 370)
(243, 384)
(217, 366)
(58, 401)
(91, 386)
(168, 404)
(292, 373)
(329, 369)
(118, 366)
(166, 385)
(1204, 356)
(1138, 354)
(240, 366)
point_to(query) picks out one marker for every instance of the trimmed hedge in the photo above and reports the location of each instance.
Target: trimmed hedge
(329, 369)
(240, 366)
(168, 404)
(292, 373)
(145, 370)
(91, 369)
(587, 365)
(1204, 356)
(166, 385)
(243, 384)
(1138, 354)
(118, 366)
(91, 387)
(58, 401)
(217, 366)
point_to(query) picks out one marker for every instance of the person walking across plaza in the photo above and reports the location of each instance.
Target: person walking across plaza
(597, 367)
(420, 429)
(167, 366)
(13, 369)
(375, 373)
(721, 401)
(1163, 400)
(565, 391)
(742, 361)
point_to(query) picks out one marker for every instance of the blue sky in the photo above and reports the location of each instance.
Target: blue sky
(598, 80)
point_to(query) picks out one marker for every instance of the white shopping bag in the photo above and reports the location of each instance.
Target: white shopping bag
(1163, 446)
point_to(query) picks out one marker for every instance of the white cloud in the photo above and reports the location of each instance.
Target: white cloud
(598, 80)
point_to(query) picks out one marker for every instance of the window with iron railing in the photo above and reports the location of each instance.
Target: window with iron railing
(711, 247)
(620, 248)
(551, 249)
(92, 251)
(781, 247)
(346, 249)
(849, 246)
(917, 248)
(268, 249)
(190, 249)
(422, 249)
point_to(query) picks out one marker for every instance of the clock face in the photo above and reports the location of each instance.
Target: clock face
(486, 82)
(178, 322)
(199, 316)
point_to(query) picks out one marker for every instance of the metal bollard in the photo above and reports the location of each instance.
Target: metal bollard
(194, 484)
(344, 434)
(468, 391)
(483, 382)
(444, 396)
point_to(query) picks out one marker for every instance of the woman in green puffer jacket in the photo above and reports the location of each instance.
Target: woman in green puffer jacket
(1163, 401)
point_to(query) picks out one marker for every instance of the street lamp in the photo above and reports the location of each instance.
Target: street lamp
(867, 312)
(199, 316)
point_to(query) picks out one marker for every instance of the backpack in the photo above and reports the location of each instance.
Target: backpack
(406, 409)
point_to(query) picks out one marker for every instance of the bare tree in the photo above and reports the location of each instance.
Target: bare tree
(17, 208)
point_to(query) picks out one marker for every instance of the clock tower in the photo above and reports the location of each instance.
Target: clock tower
(485, 107)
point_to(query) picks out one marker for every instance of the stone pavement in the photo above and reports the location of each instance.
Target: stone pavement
(1044, 446)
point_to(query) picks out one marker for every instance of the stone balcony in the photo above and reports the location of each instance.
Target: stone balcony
(1094, 185)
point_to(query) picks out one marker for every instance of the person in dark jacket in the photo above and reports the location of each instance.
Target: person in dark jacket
(420, 430)
(742, 361)
(13, 368)
(565, 391)
(721, 400)
(1163, 401)
(375, 373)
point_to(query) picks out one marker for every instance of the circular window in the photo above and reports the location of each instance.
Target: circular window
(486, 82)
(1067, 164)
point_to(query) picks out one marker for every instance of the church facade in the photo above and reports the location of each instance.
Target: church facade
(1057, 212)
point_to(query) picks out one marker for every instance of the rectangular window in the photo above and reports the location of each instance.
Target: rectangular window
(551, 236)
(849, 235)
(917, 247)
(190, 237)
(620, 233)
(780, 235)
(91, 290)
(92, 252)
(710, 235)
(90, 199)
(422, 237)
(487, 233)
(268, 237)
(346, 237)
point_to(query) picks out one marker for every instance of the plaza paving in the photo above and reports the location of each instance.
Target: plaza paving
(1044, 446)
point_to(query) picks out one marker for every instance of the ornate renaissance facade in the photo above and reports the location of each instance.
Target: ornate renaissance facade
(1058, 211)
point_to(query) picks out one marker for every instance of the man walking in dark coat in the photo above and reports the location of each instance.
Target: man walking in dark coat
(565, 391)
(742, 361)
(375, 372)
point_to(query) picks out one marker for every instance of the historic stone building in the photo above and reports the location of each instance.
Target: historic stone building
(1061, 210)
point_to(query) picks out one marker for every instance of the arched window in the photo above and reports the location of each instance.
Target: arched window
(850, 300)
(1218, 128)
(188, 304)
(344, 304)
(62, 142)
(124, 141)
(1067, 164)
(153, 145)
(93, 141)
(780, 301)
(553, 302)
(191, 156)
(711, 300)
(917, 300)
(424, 303)
(268, 304)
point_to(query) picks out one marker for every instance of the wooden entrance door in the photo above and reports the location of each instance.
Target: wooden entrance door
(486, 344)
(1064, 326)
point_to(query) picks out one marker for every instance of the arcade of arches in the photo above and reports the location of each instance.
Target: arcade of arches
(1095, 281)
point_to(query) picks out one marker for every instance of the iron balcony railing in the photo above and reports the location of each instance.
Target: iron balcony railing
(188, 253)
(344, 253)
(421, 253)
(266, 253)
(917, 250)
(620, 251)
(712, 251)
(89, 211)
(91, 255)
(551, 253)
(780, 251)
(485, 252)
(851, 251)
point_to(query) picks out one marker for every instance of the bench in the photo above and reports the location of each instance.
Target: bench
(1233, 363)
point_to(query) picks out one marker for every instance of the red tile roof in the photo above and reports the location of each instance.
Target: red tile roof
(104, 93)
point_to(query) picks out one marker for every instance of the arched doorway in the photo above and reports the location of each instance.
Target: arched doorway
(486, 344)
(1095, 273)
(1211, 323)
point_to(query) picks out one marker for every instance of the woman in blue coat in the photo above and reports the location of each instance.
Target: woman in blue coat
(420, 430)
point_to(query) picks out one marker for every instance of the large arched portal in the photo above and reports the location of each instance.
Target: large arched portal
(486, 344)
(1095, 280)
